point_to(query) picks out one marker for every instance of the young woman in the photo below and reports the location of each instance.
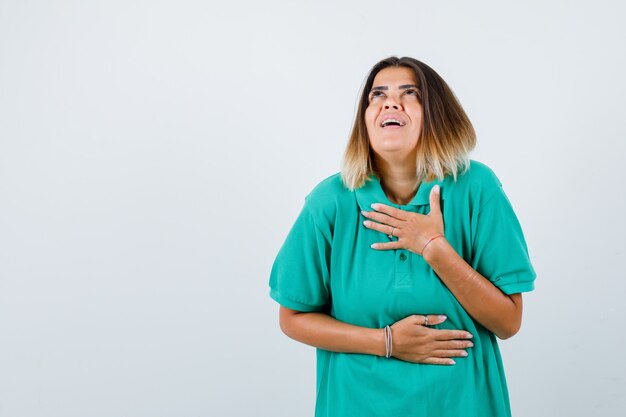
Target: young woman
(404, 267)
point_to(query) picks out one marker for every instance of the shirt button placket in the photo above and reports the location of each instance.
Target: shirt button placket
(403, 270)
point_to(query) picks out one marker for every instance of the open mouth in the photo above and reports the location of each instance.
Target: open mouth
(392, 122)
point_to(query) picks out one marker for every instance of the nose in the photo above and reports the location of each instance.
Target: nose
(391, 103)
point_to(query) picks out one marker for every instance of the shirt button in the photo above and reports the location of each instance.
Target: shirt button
(403, 256)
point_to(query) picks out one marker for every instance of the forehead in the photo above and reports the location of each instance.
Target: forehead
(392, 76)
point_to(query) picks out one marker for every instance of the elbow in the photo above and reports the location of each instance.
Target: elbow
(509, 331)
(284, 325)
(505, 335)
(286, 317)
(513, 322)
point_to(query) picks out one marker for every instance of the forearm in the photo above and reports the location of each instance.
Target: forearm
(481, 299)
(325, 332)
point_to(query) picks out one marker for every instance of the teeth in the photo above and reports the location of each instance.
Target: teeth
(388, 121)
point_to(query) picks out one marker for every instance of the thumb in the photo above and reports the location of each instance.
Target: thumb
(435, 198)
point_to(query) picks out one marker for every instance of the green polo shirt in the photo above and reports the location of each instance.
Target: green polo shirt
(326, 264)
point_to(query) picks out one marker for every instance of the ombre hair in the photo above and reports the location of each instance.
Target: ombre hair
(446, 139)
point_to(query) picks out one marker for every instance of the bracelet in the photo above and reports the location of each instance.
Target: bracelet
(431, 239)
(388, 342)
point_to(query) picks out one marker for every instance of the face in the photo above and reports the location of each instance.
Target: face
(394, 115)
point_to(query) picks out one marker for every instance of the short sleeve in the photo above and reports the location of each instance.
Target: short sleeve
(300, 275)
(499, 248)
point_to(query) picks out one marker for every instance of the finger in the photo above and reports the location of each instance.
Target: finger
(454, 344)
(439, 361)
(382, 218)
(451, 334)
(429, 319)
(436, 319)
(392, 211)
(383, 228)
(454, 353)
(387, 245)
(435, 198)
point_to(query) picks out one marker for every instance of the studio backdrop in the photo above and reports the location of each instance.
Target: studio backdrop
(154, 155)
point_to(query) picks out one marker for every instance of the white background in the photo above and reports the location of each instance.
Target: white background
(154, 155)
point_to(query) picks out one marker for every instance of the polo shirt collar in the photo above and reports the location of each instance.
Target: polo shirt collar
(372, 192)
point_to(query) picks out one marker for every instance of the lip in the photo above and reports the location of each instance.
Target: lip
(387, 116)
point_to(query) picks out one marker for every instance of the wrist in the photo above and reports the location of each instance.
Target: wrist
(378, 344)
(434, 249)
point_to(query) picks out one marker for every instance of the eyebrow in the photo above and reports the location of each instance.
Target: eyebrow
(402, 87)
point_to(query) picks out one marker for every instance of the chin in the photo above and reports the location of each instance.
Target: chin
(392, 153)
(395, 146)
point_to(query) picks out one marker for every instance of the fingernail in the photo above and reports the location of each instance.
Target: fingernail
(464, 353)
(436, 188)
(363, 212)
(469, 335)
(452, 362)
(470, 344)
(442, 317)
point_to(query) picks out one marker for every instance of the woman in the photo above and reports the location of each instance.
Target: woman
(403, 268)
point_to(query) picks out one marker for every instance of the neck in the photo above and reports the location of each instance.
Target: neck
(399, 181)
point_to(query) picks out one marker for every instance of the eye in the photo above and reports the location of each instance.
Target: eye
(411, 92)
(376, 93)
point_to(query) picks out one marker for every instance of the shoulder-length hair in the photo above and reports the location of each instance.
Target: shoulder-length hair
(446, 139)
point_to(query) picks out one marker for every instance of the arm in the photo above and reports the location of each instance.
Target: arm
(323, 331)
(486, 303)
(498, 312)
(301, 272)
(412, 341)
